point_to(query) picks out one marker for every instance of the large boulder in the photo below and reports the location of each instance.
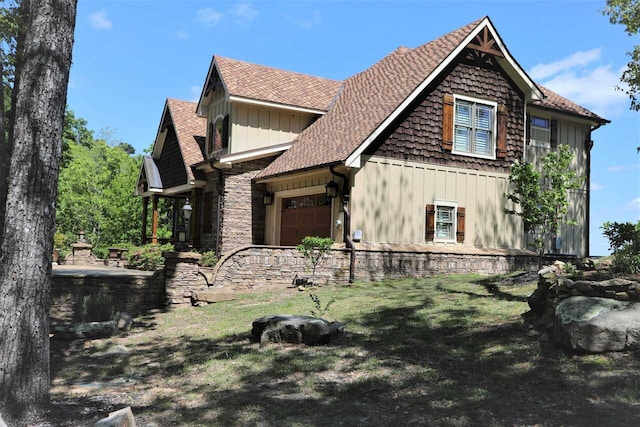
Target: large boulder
(597, 325)
(285, 328)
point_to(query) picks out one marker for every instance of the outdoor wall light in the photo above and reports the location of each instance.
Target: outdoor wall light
(186, 210)
(267, 199)
(332, 189)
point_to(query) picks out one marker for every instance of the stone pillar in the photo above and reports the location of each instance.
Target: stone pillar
(181, 276)
(81, 251)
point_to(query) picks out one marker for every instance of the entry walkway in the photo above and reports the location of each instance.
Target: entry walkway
(97, 271)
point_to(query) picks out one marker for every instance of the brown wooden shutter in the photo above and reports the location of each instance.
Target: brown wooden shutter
(430, 230)
(460, 226)
(554, 134)
(447, 123)
(501, 141)
(210, 140)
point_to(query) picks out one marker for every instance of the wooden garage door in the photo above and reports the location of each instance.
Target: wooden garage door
(305, 216)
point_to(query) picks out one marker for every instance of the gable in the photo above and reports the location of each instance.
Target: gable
(417, 133)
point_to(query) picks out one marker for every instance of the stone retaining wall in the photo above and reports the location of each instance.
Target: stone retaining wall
(84, 297)
(257, 266)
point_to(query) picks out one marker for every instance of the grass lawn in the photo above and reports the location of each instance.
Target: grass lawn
(449, 350)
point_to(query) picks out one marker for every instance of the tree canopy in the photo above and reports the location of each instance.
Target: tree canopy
(627, 13)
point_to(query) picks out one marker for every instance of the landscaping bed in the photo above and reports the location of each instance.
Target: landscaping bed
(449, 350)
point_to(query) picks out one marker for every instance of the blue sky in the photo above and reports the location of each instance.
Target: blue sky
(130, 55)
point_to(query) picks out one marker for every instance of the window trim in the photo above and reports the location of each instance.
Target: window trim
(536, 142)
(447, 204)
(494, 127)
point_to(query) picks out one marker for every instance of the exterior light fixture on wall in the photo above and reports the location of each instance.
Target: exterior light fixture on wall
(267, 199)
(332, 189)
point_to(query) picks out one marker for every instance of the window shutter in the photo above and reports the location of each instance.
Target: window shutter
(447, 123)
(210, 140)
(431, 223)
(460, 226)
(554, 134)
(501, 142)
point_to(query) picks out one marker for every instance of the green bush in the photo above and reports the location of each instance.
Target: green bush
(314, 249)
(624, 241)
(147, 257)
(208, 259)
(59, 241)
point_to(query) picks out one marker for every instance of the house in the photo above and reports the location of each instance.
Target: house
(411, 154)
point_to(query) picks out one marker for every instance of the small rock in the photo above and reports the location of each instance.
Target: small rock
(115, 351)
(622, 296)
(583, 285)
(122, 418)
(123, 321)
(2, 423)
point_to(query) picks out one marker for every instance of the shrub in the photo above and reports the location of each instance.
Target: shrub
(314, 248)
(208, 259)
(59, 240)
(624, 241)
(148, 257)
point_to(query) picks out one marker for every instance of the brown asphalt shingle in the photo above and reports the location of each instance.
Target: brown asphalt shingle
(188, 127)
(364, 102)
(274, 85)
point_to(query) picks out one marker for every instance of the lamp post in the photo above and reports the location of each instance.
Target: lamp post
(186, 213)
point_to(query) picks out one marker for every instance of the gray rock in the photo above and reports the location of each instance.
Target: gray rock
(89, 330)
(2, 423)
(291, 329)
(115, 351)
(597, 325)
(123, 321)
(121, 418)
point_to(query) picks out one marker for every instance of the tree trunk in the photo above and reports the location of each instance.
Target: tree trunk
(40, 92)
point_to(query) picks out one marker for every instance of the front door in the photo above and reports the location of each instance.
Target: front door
(304, 216)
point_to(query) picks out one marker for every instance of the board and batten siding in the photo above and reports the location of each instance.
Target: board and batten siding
(256, 127)
(389, 198)
(219, 106)
(576, 135)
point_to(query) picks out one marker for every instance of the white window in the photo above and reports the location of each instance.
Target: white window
(474, 127)
(540, 130)
(445, 221)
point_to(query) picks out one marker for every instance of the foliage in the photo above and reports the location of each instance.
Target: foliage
(624, 241)
(148, 257)
(59, 240)
(314, 248)
(318, 309)
(208, 259)
(95, 192)
(543, 197)
(627, 13)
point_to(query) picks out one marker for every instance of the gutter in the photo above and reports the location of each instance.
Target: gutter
(346, 228)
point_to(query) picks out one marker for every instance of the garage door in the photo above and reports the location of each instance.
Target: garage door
(305, 216)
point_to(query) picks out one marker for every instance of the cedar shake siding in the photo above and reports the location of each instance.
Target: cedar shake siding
(417, 136)
(170, 163)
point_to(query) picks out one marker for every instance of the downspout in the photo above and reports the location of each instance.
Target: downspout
(588, 146)
(346, 228)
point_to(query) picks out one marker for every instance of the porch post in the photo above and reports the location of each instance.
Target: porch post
(196, 226)
(154, 220)
(145, 209)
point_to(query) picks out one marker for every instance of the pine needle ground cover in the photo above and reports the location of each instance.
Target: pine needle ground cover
(449, 350)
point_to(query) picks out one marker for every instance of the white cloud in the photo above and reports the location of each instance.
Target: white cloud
(99, 20)
(182, 34)
(577, 59)
(595, 186)
(634, 204)
(620, 168)
(208, 17)
(583, 78)
(304, 23)
(195, 93)
(244, 13)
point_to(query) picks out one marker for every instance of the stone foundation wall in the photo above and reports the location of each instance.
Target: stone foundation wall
(182, 277)
(258, 266)
(86, 298)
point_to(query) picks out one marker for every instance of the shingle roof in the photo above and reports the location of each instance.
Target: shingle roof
(554, 101)
(365, 101)
(189, 127)
(263, 83)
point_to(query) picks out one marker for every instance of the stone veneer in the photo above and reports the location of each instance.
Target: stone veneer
(243, 213)
(182, 277)
(257, 266)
